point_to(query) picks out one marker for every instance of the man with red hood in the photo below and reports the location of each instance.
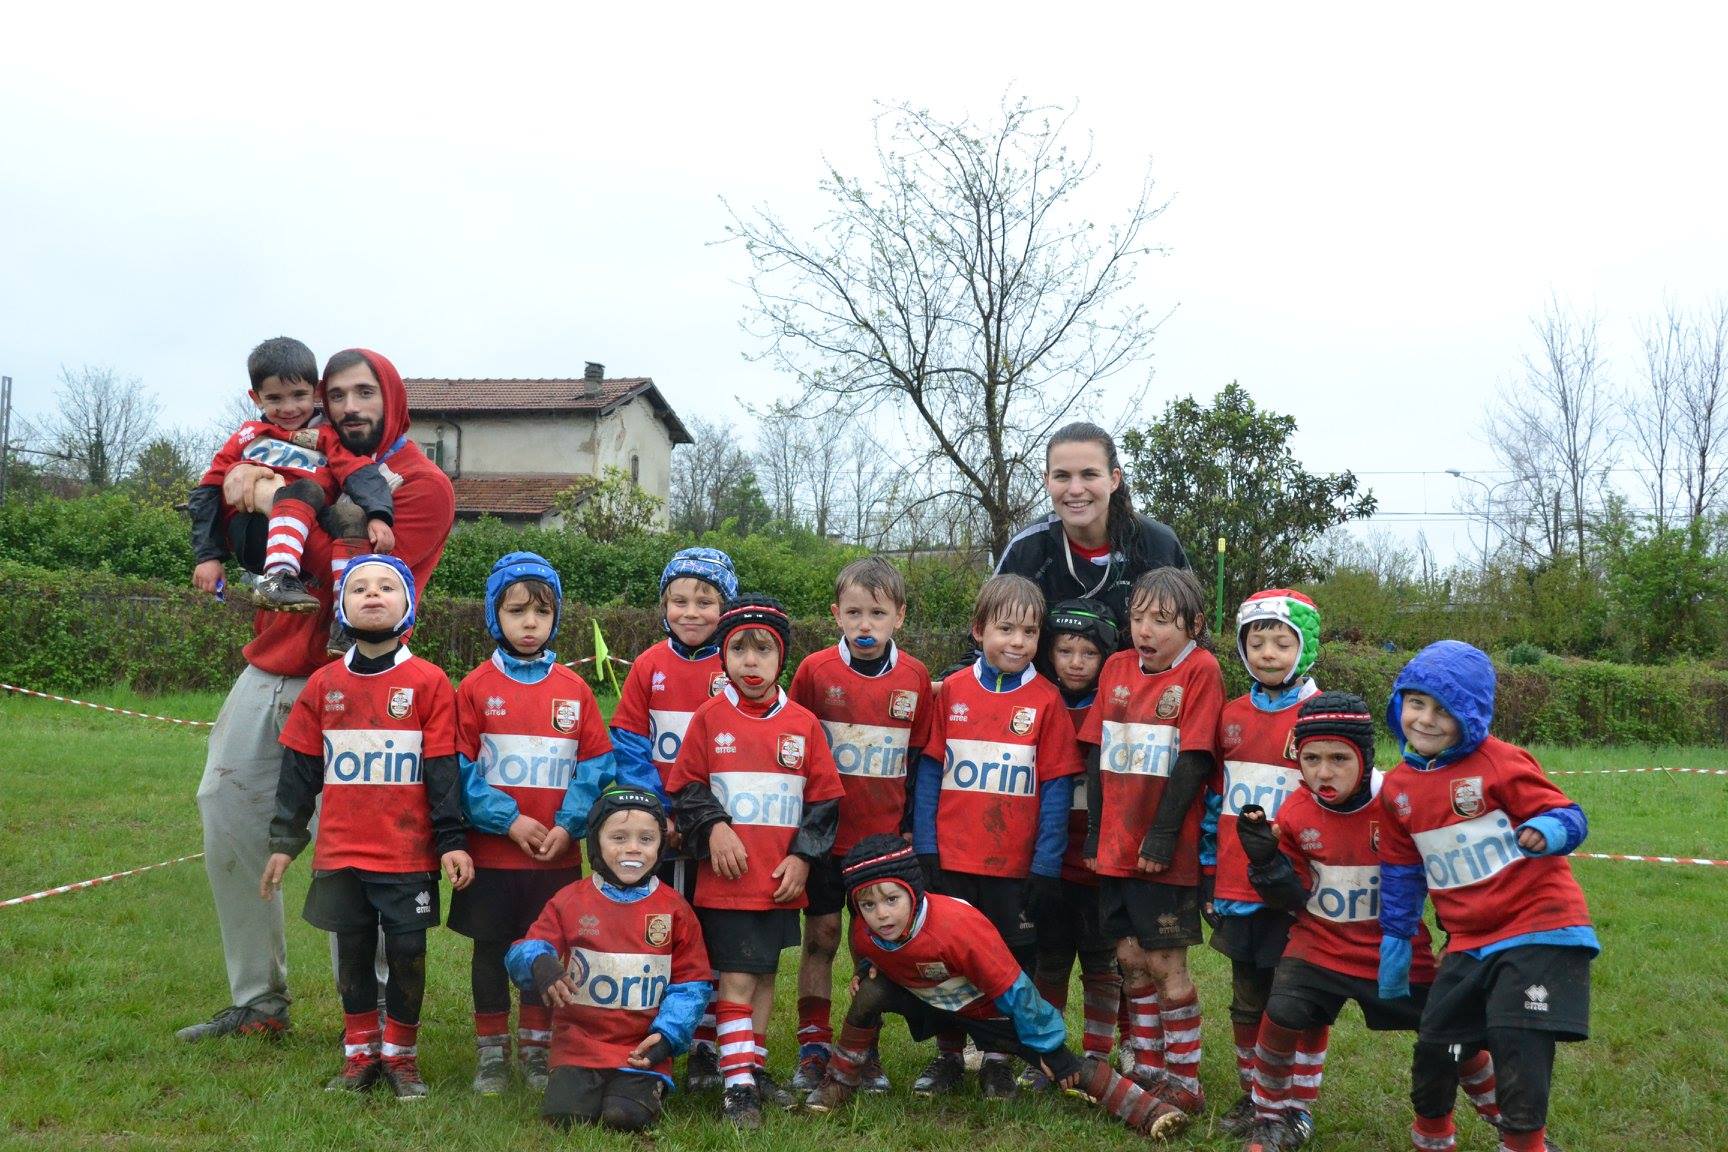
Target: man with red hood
(363, 397)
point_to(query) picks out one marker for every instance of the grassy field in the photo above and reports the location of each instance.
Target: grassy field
(93, 984)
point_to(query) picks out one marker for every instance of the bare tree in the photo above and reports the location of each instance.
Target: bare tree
(1702, 409)
(959, 287)
(781, 445)
(100, 425)
(1652, 414)
(709, 477)
(1552, 431)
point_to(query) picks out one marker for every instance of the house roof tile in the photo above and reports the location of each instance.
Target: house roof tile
(427, 395)
(521, 494)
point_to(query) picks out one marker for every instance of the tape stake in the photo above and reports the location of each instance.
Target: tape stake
(64, 888)
(105, 708)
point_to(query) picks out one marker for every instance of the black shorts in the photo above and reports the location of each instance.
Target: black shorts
(1002, 899)
(1540, 987)
(825, 890)
(581, 1093)
(1306, 996)
(1156, 915)
(1077, 929)
(740, 941)
(343, 901)
(1256, 939)
(247, 534)
(503, 903)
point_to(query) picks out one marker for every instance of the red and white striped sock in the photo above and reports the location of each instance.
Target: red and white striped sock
(1245, 1036)
(399, 1038)
(492, 1030)
(1309, 1067)
(1476, 1074)
(1124, 1020)
(848, 1056)
(1146, 1030)
(1100, 993)
(1274, 1057)
(815, 1018)
(290, 523)
(1434, 1134)
(1535, 1141)
(1117, 1095)
(533, 1027)
(761, 1051)
(341, 552)
(1054, 991)
(361, 1035)
(1181, 1019)
(737, 1042)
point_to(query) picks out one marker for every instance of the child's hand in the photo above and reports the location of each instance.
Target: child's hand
(1067, 1081)
(240, 487)
(1091, 863)
(639, 1057)
(1147, 864)
(527, 834)
(673, 841)
(271, 882)
(792, 873)
(561, 994)
(726, 852)
(1532, 841)
(382, 538)
(207, 576)
(458, 869)
(557, 843)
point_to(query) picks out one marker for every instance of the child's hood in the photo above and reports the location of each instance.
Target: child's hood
(1461, 678)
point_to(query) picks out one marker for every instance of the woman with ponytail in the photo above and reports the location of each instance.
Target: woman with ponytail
(1093, 545)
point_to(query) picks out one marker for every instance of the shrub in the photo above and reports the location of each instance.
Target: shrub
(1524, 654)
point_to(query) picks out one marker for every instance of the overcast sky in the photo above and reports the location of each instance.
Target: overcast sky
(1366, 203)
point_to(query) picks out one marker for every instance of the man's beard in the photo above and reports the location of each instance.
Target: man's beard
(363, 440)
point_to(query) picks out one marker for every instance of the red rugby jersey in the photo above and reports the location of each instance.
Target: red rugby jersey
(1334, 854)
(1460, 823)
(313, 452)
(622, 958)
(954, 959)
(373, 733)
(1258, 766)
(874, 723)
(763, 770)
(1141, 722)
(997, 749)
(1074, 867)
(661, 693)
(526, 740)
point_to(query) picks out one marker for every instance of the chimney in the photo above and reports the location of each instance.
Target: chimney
(592, 375)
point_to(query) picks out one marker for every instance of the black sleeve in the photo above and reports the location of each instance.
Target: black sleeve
(1278, 884)
(443, 779)
(367, 487)
(1094, 802)
(816, 831)
(696, 811)
(297, 788)
(1187, 777)
(205, 506)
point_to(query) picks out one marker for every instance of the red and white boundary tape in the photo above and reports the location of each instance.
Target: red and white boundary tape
(590, 660)
(106, 708)
(1633, 771)
(44, 894)
(1653, 859)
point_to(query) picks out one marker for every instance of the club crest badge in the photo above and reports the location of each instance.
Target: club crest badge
(1022, 721)
(933, 970)
(1290, 746)
(1169, 703)
(791, 751)
(1374, 835)
(718, 684)
(401, 702)
(902, 704)
(564, 713)
(1467, 798)
(658, 929)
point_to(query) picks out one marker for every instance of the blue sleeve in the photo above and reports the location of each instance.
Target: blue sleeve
(1394, 982)
(1038, 1025)
(634, 766)
(519, 961)
(488, 809)
(1563, 828)
(590, 778)
(1403, 888)
(1055, 798)
(929, 786)
(1214, 805)
(680, 1011)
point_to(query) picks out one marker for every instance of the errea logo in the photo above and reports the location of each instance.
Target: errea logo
(658, 684)
(1536, 998)
(495, 706)
(423, 903)
(958, 712)
(724, 743)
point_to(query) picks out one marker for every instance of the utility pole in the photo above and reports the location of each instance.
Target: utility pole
(5, 430)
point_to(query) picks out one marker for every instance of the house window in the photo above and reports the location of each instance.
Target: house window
(635, 468)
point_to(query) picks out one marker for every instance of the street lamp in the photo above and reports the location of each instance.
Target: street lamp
(1487, 506)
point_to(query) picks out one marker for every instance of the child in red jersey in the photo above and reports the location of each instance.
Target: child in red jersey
(375, 734)
(1319, 862)
(873, 699)
(534, 754)
(994, 791)
(666, 685)
(309, 469)
(1473, 823)
(1078, 635)
(620, 958)
(939, 963)
(758, 799)
(1152, 735)
(1277, 640)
